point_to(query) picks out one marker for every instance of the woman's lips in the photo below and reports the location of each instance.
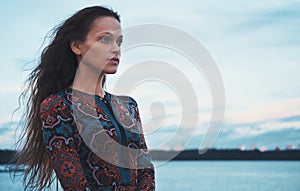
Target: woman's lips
(114, 60)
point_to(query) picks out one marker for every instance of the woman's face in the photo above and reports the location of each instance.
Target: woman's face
(100, 52)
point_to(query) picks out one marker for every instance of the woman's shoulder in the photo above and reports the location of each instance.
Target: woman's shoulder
(54, 109)
(55, 99)
(123, 99)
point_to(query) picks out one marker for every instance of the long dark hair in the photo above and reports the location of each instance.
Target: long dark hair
(55, 71)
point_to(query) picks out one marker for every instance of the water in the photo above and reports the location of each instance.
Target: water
(215, 176)
(229, 175)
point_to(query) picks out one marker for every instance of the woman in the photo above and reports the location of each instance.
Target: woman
(92, 139)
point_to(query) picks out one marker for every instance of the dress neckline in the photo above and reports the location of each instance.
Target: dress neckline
(88, 94)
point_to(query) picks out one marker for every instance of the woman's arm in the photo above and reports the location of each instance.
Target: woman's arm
(146, 175)
(57, 127)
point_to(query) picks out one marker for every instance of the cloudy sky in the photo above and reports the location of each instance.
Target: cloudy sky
(255, 46)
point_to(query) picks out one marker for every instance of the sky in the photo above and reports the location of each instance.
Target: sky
(255, 46)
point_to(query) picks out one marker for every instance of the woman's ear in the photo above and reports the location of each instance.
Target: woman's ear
(75, 47)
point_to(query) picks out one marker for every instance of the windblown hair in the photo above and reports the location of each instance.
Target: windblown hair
(55, 71)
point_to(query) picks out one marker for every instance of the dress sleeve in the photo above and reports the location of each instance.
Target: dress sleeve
(58, 136)
(146, 176)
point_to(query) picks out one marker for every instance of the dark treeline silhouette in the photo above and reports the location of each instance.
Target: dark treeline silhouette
(211, 154)
(7, 156)
(227, 154)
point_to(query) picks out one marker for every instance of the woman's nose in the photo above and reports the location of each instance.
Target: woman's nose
(116, 49)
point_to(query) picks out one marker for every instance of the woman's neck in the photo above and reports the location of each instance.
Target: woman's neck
(89, 82)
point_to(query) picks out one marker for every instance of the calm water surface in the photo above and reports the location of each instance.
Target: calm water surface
(214, 176)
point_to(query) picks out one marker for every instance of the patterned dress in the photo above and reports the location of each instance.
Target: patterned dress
(96, 143)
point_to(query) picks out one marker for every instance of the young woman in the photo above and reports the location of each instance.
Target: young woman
(92, 139)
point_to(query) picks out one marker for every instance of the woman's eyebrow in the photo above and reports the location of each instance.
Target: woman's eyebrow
(106, 32)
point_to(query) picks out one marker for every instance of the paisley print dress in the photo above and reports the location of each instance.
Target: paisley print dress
(96, 143)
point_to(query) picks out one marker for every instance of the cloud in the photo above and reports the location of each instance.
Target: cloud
(4, 129)
(290, 118)
(282, 22)
(263, 120)
(264, 130)
(8, 135)
(272, 139)
(277, 109)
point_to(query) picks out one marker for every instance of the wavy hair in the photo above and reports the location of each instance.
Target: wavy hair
(55, 71)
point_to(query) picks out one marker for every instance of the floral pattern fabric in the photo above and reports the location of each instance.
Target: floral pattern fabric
(83, 134)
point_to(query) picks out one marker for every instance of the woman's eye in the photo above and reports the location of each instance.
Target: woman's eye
(119, 42)
(105, 39)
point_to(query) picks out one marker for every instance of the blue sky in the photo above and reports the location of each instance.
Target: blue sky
(254, 44)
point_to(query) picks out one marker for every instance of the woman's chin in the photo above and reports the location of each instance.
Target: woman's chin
(110, 71)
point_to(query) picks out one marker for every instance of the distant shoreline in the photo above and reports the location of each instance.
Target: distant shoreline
(226, 154)
(211, 154)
